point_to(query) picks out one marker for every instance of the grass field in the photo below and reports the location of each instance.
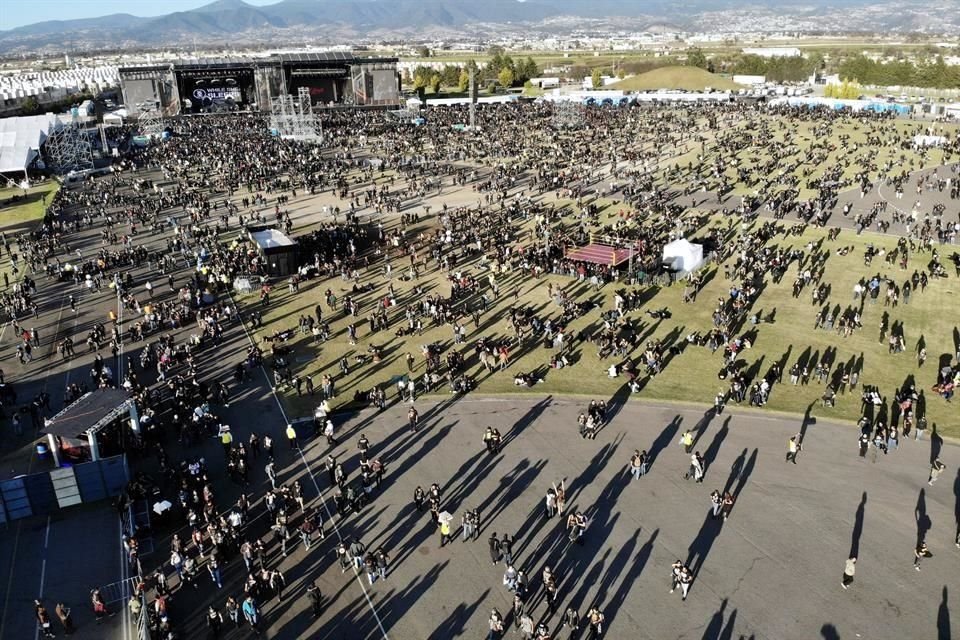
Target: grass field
(26, 210)
(675, 77)
(690, 376)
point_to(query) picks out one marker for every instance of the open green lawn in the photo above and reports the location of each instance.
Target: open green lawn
(27, 209)
(690, 376)
(675, 77)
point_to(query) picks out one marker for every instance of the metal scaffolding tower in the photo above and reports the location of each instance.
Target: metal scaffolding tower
(567, 114)
(149, 120)
(68, 147)
(293, 118)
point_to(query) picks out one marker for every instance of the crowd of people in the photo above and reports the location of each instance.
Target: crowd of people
(163, 234)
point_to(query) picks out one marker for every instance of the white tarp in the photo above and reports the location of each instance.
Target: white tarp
(683, 256)
(20, 140)
(929, 141)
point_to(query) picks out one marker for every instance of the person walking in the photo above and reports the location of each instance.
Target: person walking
(686, 441)
(595, 622)
(493, 544)
(233, 611)
(65, 617)
(525, 624)
(495, 622)
(43, 619)
(571, 620)
(292, 437)
(716, 503)
(251, 613)
(919, 553)
(793, 448)
(638, 463)
(214, 623)
(214, 568)
(383, 563)
(445, 532)
(271, 473)
(849, 569)
(99, 606)
(696, 468)
(315, 599)
(686, 579)
(466, 524)
(936, 468)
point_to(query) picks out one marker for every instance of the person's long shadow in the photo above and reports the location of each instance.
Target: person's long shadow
(943, 618)
(701, 427)
(700, 547)
(727, 633)
(829, 632)
(936, 443)
(956, 504)
(664, 439)
(715, 626)
(617, 402)
(528, 418)
(711, 453)
(807, 421)
(735, 469)
(858, 527)
(745, 474)
(454, 625)
(924, 523)
(613, 607)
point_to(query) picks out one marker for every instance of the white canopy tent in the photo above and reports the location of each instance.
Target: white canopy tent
(21, 138)
(683, 256)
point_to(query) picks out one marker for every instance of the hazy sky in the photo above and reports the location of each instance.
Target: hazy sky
(16, 13)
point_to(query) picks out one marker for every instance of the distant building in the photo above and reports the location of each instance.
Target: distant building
(749, 81)
(545, 83)
(772, 52)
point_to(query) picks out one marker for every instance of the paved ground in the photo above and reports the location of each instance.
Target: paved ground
(789, 535)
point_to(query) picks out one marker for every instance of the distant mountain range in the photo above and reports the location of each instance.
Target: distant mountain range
(235, 21)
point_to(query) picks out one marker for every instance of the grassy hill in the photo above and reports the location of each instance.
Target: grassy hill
(676, 77)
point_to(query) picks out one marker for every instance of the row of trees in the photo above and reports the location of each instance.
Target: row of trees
(778, 69)
(502, 70)
(932, 73)
(846, 90)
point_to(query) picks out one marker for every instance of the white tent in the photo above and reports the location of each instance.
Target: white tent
(20, 140)
(683, 256)
(929, 141)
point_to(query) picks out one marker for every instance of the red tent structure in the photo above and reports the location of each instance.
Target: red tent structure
(599, 254)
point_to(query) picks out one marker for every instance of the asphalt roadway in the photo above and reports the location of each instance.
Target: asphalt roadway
(772, 571)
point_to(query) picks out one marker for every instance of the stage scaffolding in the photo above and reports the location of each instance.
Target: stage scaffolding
(149, 120)
(293, 117)
(68, 147)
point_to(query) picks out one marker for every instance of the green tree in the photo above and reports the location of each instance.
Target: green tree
(696, 58)
(423, 52)
(435, 82)
(463, 82)
(527, 69)
(505, 77)
(421, 76)
(30, 106)
(596, 79)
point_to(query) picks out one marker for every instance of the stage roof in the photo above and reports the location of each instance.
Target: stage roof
(599, 254)
(271, 239)
(20, 140)
(319, 56)
(85, 413)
